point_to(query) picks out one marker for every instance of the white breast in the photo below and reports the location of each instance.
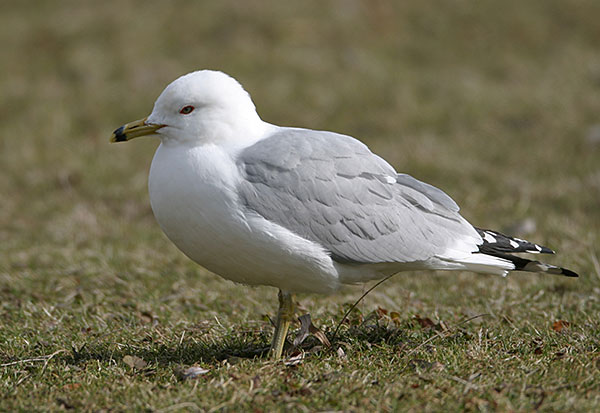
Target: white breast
(194, 199)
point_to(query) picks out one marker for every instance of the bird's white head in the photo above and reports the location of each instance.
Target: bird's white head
(201, 107)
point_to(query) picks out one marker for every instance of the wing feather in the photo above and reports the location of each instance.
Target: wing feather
(333, 190)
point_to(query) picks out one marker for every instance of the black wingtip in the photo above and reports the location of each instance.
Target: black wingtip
(494, 241)
(523, 264)
(568, 273)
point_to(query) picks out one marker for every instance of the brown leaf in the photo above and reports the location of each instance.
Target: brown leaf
(424, 322)
(71, 386)
(320, 335)
(381, 312)
(560, 325)
(294, 360)
(134, 362)
(560, 354)
(147, 318)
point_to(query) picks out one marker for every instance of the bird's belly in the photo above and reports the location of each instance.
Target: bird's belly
(195, 203)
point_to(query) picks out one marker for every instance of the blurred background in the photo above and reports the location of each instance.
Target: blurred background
(498, 103)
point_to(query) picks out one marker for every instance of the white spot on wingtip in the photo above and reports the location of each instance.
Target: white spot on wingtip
(514, 244)
(489, 238)
(390, 180)
(537, 247)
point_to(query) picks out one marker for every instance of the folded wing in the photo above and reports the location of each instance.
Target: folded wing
(331, 189)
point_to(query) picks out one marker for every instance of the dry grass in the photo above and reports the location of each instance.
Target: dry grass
(494, 102)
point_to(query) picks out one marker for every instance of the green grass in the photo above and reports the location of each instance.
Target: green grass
(492, 101)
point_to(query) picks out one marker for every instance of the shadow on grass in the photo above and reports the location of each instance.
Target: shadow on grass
(246, 345)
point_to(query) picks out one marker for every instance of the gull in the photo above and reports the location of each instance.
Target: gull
(298, 209)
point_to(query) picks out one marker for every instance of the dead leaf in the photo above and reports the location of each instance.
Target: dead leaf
(381, 312)
(134, 362)
(192, 372)
(255, 382)
(294, 360)
(147, 318)
(320, 335)
(395, 317)
(424, 322)
(71, 386)
(560, 325)
(560, 354)
(342, 354)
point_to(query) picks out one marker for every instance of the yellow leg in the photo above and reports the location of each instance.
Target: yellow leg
(284, 318)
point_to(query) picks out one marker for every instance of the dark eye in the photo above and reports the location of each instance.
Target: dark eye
(186, 110)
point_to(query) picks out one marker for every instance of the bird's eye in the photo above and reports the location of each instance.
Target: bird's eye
(186, 110)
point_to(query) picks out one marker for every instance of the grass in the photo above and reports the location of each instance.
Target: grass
(495, 103)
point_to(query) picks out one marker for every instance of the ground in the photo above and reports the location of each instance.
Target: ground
(496, 102)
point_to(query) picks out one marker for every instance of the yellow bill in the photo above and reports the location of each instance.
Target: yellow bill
(134, 130)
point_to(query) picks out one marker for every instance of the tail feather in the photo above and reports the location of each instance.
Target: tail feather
(501, 246)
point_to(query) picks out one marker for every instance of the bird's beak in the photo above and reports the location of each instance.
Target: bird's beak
(134, 130)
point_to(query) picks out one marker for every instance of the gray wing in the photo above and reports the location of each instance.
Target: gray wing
(333, 190)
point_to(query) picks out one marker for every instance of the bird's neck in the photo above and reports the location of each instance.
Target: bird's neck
(234, 132)
(234, 135)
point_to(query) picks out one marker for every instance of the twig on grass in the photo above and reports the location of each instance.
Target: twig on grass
(355, 304)
(50, 358)
(41, 358)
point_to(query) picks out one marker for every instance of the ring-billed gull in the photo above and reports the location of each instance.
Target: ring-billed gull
(298, 209)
